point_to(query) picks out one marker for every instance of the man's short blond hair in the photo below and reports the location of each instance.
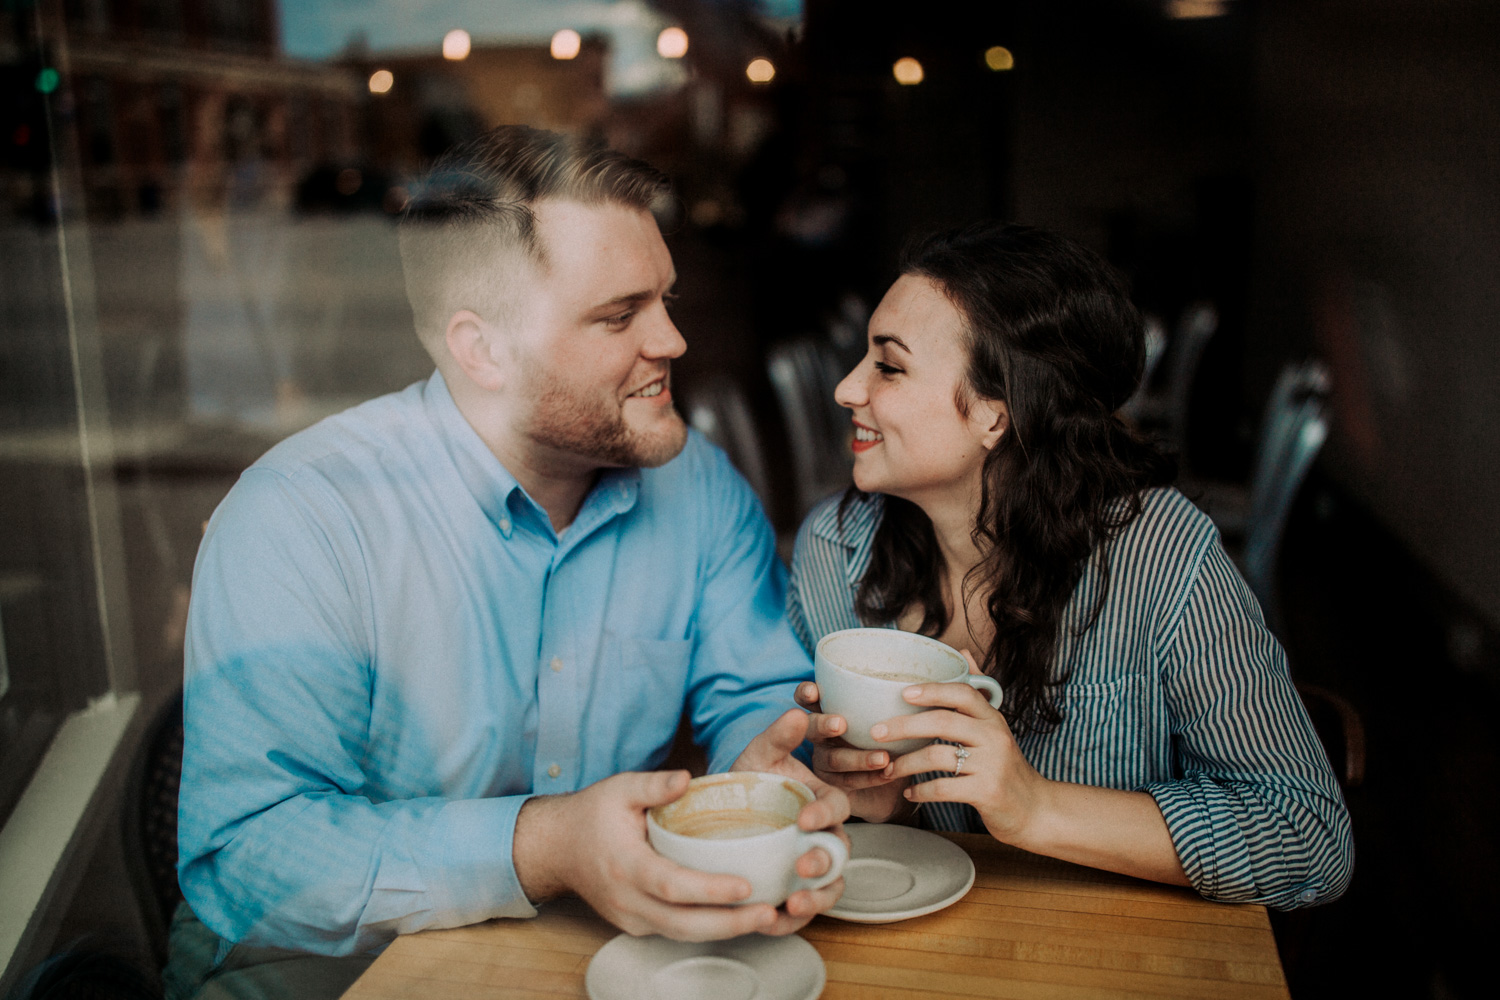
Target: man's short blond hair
(469, 223)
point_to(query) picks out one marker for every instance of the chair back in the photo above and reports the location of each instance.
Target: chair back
(1199, 323)
(718, 409)
(149, 817)
(804, 373)
(1136, 408)
(1293, 431)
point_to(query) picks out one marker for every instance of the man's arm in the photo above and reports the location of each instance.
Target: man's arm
(282, 839)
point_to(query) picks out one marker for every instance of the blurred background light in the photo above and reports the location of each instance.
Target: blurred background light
(999, 59)
(381, 81)
(760, 71)
(672, 43)
(47, 80)
(1185, 9)
(566, 44)
(908, 71)
(456, 44)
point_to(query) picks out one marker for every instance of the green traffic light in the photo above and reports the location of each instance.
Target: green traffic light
(47, 80)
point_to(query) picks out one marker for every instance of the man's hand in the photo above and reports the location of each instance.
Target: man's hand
(771, 752)
(864, 775)
(593, 842)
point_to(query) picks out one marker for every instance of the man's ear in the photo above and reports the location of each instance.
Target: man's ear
(471, 341)
(994, 416)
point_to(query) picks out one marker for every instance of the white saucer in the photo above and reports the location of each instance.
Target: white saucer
(654, 968)
(899, 872)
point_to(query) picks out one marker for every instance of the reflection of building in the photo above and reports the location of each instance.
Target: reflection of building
(158, 84)
(434, 102)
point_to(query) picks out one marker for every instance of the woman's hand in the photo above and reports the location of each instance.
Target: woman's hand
(873, 795)
(988, 770)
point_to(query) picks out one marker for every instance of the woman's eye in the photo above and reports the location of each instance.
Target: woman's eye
(886, 369)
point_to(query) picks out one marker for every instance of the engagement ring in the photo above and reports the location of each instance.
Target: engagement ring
(962, 753)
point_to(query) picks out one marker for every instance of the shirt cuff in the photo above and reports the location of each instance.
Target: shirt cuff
(477, 879)
(1191, 827)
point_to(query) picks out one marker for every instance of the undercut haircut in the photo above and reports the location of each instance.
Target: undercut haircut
(469, 223)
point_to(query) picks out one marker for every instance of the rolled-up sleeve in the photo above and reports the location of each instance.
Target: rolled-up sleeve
(1256, 815)
(281, 842)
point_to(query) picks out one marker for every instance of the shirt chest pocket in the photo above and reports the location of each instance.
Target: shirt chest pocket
(1100, 740)
(644, 686)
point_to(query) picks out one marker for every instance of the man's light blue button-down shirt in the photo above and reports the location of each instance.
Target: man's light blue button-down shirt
(390, 649)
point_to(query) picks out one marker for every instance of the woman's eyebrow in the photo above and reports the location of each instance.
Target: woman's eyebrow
(881, 339)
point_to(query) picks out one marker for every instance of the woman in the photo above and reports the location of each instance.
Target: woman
(1149, 724)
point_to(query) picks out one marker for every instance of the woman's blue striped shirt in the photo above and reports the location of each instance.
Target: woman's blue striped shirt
(1178, 690)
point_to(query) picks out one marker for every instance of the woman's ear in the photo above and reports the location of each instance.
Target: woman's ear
(471, 341)
(994, 416)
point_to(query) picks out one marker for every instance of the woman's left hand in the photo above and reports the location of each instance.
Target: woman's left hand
(994, 777)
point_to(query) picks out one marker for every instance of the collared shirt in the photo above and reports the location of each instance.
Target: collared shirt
(390, 649)
(1178, 690)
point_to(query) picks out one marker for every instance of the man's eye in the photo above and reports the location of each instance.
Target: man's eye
(669, 300)
(621, 321)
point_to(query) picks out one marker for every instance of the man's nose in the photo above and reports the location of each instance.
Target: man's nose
(663, 340)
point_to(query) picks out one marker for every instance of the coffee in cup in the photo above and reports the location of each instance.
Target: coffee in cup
(861, 673)
(744, 823)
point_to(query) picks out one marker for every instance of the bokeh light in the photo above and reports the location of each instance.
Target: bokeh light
(908, 71)
(381, 81)
(760, 71)
(999, 58)
(456, 44)
(1183, 10)
(566, 44)
(47, 80)
(672, 43)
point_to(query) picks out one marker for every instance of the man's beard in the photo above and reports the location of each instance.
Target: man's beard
(596, 430)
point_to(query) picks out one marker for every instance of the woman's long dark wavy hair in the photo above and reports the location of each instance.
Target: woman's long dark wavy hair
(1051, 333)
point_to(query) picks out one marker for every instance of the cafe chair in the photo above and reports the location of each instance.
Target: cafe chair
(149, 821)
(804, 373)
(1164, 409)
(1137, 409)
(1293, 432)
(1341, 731)
(718, 409)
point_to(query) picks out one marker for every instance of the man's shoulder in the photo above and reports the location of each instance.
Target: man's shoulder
(353, 438)
(701, 469)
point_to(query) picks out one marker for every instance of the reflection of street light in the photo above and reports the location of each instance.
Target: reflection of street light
(456, 44)
(672, 43)
(381, 81)
(999, 59)
(566, 44)
(908, 71)
(760, 71)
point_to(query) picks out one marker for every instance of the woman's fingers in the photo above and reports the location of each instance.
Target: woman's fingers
(822, 728)
(936, 725)
(958, 697)
(943, 789)
(848, 759)
(936, 757)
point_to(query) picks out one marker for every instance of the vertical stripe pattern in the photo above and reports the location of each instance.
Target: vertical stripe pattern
(1178, 690)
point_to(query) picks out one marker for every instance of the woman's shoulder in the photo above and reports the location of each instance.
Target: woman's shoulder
(848, 519)
(1167, 517)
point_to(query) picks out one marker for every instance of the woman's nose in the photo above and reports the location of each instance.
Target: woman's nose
(851, 391)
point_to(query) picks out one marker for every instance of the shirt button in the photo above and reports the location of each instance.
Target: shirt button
(553, 771)
(505, 524)
(556, 665)
(1307, 895)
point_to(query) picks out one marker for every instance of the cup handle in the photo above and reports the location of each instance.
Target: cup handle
(837, 852)
(987, 684)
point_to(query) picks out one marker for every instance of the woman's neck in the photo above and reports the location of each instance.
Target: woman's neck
(953, 518)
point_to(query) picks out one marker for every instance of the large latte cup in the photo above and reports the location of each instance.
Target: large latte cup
(744, 823)
(861, 673)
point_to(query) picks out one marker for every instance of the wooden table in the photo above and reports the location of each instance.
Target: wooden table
(1030, 927)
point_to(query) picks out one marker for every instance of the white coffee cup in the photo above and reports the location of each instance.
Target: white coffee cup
(861, 673)
(744, 823)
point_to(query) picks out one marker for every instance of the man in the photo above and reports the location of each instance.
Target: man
(432, 637)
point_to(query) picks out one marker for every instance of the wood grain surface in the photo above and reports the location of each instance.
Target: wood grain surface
(1030, 927)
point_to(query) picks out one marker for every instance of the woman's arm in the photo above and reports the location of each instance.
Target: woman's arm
(1100, 827)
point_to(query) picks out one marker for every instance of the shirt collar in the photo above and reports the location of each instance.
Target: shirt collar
(496, 490)
(851, 525)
